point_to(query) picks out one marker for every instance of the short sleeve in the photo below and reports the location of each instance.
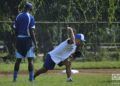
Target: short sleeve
(14, 24)
(32, 23)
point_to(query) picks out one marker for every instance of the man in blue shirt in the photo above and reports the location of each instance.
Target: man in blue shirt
(25, 40)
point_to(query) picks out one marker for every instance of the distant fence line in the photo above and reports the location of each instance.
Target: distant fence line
(105, 45)
(57, 22)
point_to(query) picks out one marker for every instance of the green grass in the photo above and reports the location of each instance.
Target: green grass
(56, 79)
(76, 65)
(98, 65)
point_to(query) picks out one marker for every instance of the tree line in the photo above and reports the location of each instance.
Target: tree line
(48, 35)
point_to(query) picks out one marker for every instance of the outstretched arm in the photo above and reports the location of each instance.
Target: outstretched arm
(71, 35)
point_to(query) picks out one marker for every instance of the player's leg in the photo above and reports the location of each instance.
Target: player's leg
(30, 69)
(30, 55)
(40, 71)
(68, 69)
(16, 68)
(48, 65)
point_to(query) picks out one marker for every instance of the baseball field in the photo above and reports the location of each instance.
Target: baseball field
(90, 74)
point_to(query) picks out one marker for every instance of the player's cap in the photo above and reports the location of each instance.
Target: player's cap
(28, 5)
(80, 37)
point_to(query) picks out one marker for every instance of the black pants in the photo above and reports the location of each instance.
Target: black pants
(23, 45)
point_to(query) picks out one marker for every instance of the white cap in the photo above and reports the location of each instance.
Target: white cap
(80, 36)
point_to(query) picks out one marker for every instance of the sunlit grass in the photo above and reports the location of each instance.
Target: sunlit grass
(57, 79)
(75, 65)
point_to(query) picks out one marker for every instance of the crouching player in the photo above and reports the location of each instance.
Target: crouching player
(61, 53)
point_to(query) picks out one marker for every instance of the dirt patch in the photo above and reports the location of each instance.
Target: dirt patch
(81, 71)
(100, 71)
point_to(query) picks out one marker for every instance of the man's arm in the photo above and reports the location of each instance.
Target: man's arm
(32, 34)
(71, 35)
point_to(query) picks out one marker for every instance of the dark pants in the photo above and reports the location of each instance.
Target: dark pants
(23, 45)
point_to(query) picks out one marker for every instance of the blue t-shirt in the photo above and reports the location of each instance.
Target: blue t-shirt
(23, 23)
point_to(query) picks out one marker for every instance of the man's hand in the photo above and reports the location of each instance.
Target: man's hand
(36, 49)
(69, 28)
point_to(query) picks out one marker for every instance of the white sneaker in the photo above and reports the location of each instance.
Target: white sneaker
(69, 79)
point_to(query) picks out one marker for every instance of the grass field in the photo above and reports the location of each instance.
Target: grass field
(76, 65)
(55, 79)
(59, 79)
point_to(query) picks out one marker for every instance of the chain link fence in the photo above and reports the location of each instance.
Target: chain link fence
(102, 39)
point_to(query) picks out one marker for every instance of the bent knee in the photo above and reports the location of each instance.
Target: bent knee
(44, 69)
(68, 63)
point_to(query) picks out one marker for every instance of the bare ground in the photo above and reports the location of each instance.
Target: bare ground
(81, 71)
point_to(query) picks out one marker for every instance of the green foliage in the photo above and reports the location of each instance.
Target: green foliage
(115, 56)
(5, 27)
(111, 10)
(68, 11)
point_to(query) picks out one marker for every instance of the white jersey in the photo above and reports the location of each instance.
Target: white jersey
(62, 52)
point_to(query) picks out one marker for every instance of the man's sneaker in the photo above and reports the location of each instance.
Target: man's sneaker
(14, 80)
(31, 80)
(69, 80)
